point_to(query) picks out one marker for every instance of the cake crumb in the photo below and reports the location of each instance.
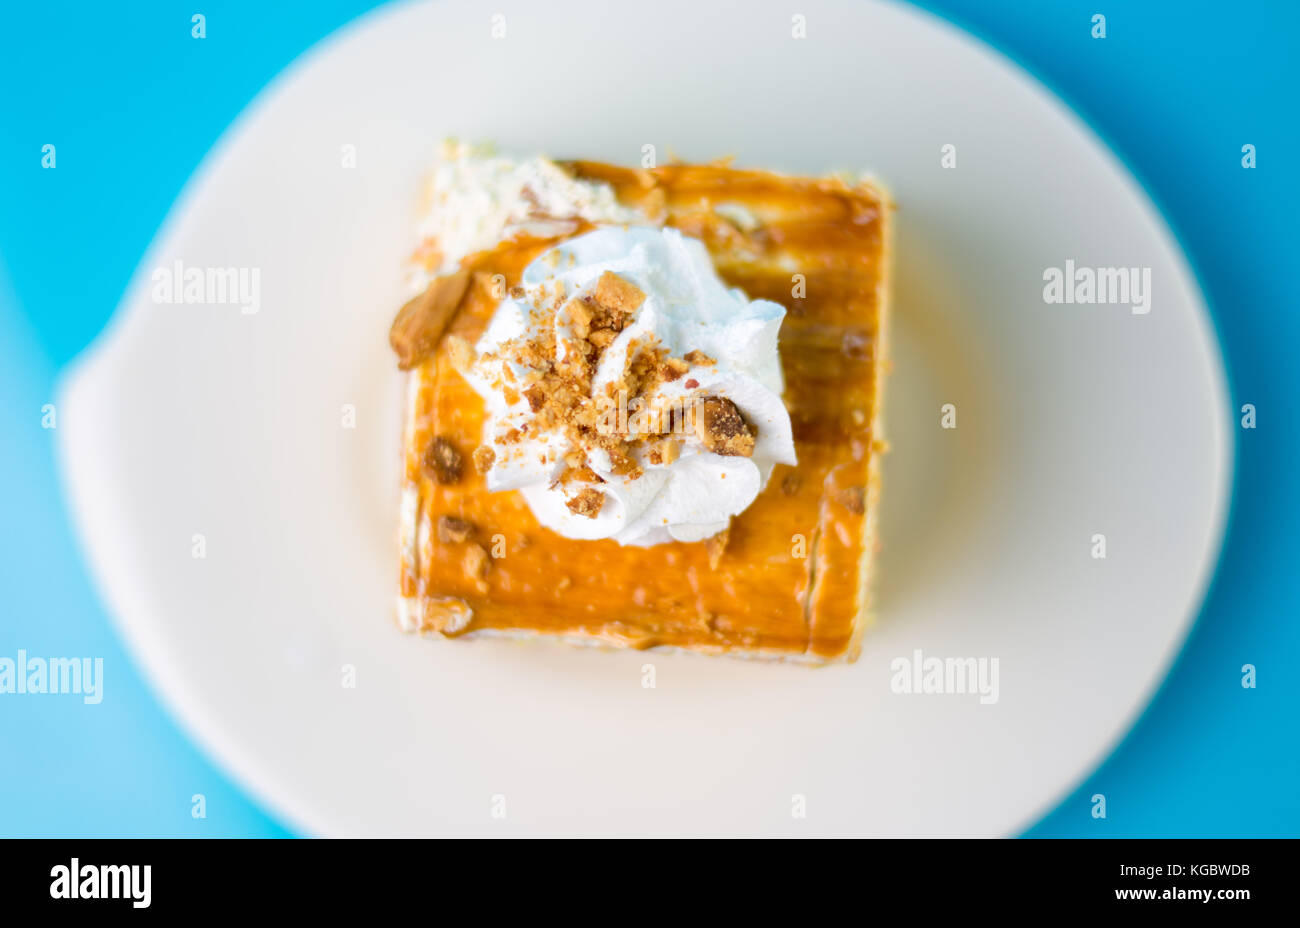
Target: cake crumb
(580, 316)
(615, 293)
(484, 458)
(673, 369)
(602, 338)
(587, 503)
(536, 397)
(662, 453)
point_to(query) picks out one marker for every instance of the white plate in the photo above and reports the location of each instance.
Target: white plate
(1072, 420)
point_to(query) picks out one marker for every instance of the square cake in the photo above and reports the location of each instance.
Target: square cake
(643, 406)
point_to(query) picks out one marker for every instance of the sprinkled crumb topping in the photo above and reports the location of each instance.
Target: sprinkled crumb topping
(558, 387)
(587, 503)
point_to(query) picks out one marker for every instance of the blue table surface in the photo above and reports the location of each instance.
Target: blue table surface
(133, 103)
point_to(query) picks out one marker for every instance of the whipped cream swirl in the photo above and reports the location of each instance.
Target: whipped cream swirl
(721, 344)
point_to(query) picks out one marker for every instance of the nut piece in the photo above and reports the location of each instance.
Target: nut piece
(719, 424)
(674, 368)
(445, 615)
(587, 503)
(697, 357)
(580, 316)
(663, 452)
(420, 323)
(452, 531)
(443, 460)
(484, 457)
(615, 293)
(475, 565)
(536, 397)
(460, 351)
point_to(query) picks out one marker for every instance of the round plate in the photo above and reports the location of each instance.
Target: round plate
(1072, 421)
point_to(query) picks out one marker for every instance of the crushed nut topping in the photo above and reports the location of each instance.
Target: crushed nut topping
(620, 419)
(452, 531)
(722, 429)
(664, 452)
(673, 369)
(484, 457)
(581, 474)
(443, 460)
(580, 316)
(587, 503)
(536, 397)
(618, 295)
(559, 390)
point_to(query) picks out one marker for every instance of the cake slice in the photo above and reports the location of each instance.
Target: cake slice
(544, 296)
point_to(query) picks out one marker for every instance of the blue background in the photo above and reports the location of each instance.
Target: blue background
(133, 104)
